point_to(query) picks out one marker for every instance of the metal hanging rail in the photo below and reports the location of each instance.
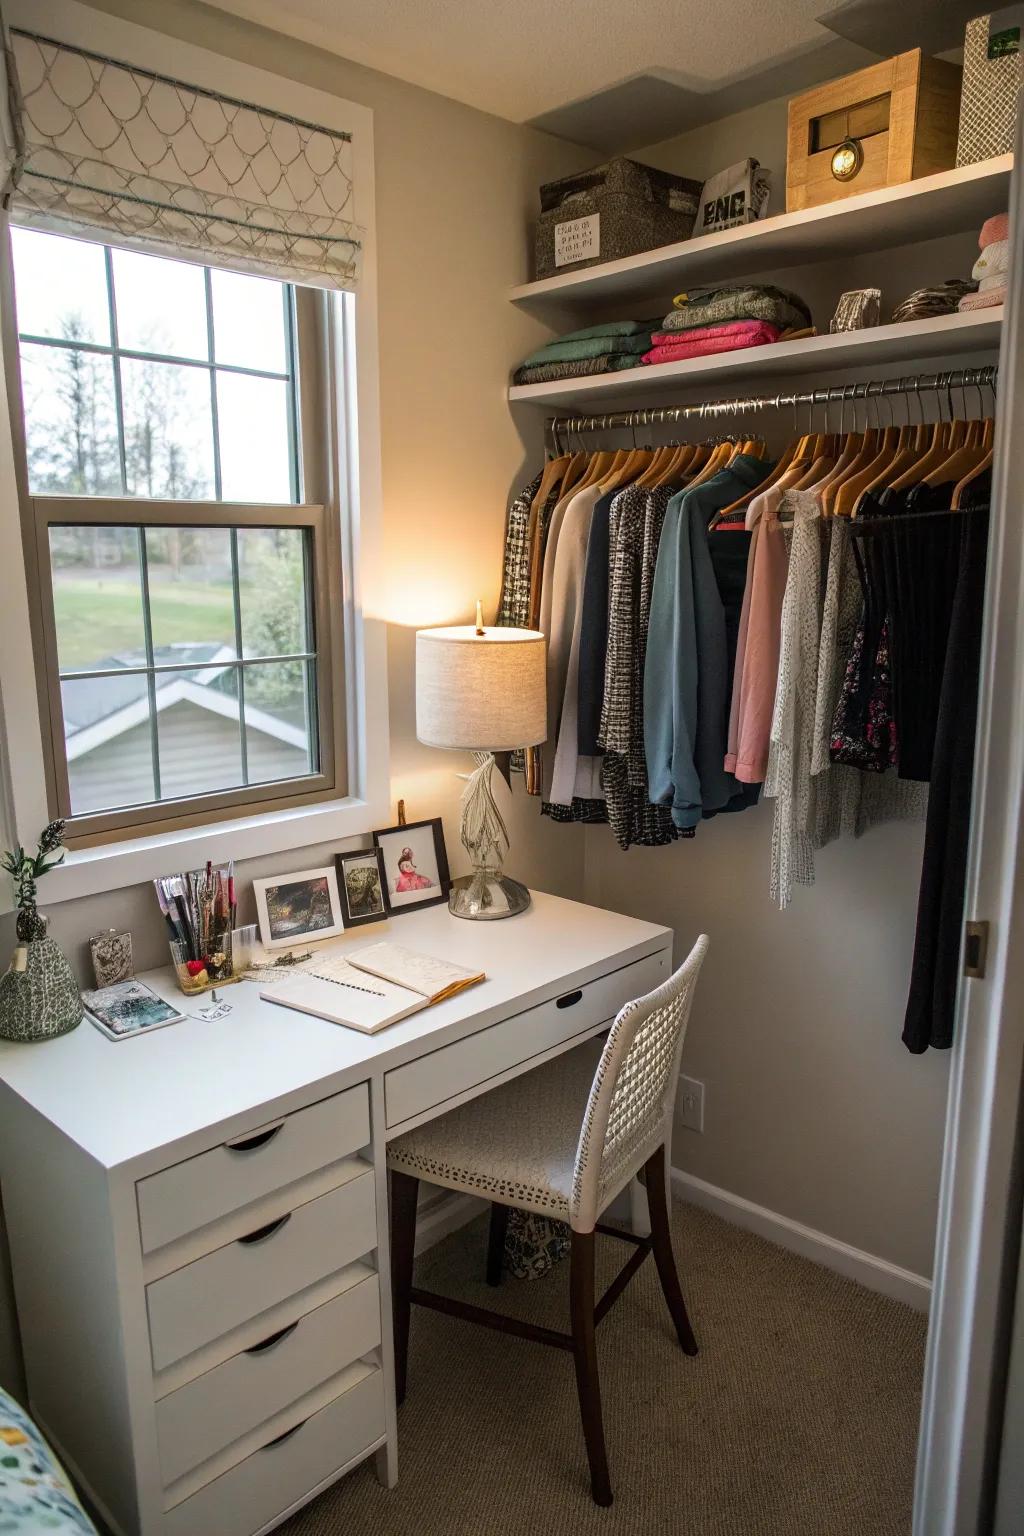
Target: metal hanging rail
(839, 394)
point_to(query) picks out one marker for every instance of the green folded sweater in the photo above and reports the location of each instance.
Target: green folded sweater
(567, 350)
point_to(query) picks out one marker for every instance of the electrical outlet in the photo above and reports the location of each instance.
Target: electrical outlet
(691, 1104)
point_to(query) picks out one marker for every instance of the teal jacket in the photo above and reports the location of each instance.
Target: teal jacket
(685, 681)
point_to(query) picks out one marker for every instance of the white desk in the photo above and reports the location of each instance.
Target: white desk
(198, 1218)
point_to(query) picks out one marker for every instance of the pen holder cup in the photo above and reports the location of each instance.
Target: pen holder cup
(217, 970)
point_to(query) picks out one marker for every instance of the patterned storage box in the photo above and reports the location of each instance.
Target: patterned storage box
(992, 76)
(614, 210)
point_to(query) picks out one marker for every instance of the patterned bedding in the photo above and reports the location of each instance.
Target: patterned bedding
(36, 1497)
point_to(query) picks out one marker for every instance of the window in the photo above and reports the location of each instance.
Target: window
(185, 621)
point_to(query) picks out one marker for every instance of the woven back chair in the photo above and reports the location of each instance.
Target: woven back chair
(562, 1140)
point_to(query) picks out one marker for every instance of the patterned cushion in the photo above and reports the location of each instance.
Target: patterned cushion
(35, 1495)
(516, 1144)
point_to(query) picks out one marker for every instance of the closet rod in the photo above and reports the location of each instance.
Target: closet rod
(870, 389)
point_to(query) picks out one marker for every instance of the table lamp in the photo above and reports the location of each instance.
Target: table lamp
(482, 691)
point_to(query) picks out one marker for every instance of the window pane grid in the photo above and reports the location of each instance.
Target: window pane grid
(176, 708)
(99, 349)
(149, 428)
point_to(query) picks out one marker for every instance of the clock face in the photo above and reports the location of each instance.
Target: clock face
(847, 159)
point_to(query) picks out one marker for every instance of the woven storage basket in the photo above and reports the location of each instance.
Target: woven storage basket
(988, 108)
(614, 210)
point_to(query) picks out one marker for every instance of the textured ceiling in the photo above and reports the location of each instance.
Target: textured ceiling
(522, 59)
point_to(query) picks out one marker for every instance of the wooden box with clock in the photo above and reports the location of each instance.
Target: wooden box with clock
(886, 124)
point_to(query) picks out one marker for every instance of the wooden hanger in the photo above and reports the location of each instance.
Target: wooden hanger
(786, 464)
(988, 436)
(554, 471)
(865, 454)
(962, 461)
(852, 486)
(936, 450)
(906, 454)
(574, 470)
(660, 459)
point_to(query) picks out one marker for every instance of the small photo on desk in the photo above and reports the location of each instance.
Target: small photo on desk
(415, 864)
(298, 908)
(361, 886)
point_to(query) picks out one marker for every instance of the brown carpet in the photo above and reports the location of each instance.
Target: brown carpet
(798, 1418)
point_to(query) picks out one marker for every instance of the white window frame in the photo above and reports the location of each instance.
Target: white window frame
(352, 422)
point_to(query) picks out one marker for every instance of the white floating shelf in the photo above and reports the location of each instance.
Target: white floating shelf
(942, 336)
(945, 204)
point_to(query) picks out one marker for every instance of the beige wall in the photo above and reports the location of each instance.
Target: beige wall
(455, 192)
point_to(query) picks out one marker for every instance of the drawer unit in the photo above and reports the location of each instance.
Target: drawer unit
(202, 1189)
(207, 1298)
(287, 1468)
(227, 1402)
(432, 1080)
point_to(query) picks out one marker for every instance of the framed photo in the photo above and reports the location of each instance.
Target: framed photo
(298, 909)
(415, 864)
(361, 885)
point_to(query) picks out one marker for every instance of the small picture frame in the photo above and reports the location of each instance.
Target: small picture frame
(415, 864)
(362, 886)
(298, 909)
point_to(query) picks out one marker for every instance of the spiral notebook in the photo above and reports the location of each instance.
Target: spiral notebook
(370, 989)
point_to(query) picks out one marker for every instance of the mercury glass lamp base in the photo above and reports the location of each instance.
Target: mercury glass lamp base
(487, 894)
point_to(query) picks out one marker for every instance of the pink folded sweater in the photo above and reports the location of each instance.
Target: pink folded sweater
(676, 346)
(993, 229)
(987, 300)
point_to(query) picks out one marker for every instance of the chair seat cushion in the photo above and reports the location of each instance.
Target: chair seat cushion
(517, 1144)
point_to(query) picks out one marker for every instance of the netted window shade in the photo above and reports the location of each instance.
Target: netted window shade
(120, 154)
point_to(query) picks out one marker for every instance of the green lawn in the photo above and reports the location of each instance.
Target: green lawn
(98, 615)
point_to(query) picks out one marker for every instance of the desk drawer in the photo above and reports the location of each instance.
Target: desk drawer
(214, 1294)
(267, 1482)
(227, 1402)
(204, 1188)
(433, 1080)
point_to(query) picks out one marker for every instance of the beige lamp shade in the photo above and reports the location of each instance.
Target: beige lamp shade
(481, 692)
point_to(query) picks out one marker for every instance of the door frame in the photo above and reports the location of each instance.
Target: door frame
(979, 1226)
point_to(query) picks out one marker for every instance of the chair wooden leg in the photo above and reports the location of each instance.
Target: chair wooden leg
(404, 1192)
(588, 1386)
(661, 1234)
(496, 1242)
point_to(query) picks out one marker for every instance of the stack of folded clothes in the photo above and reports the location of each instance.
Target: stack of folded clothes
(992, 267)
(598, 349)
(940, 299)
(724, 319)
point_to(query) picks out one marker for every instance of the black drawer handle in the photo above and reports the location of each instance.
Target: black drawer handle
(286, 1436)
(570, 999)
(253, 1143)
(275, 1338)
(262, 1233)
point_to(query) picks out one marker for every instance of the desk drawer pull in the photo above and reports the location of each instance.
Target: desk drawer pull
(262, 1233)
(286, 1436)
(253, 1143)
(570, 999)
(275, 1338)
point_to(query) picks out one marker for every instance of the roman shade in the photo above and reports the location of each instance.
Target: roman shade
(111, 152)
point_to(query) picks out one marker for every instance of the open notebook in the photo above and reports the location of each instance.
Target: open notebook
(370, 989)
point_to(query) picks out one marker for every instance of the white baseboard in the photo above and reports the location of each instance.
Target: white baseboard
(874, 1273)
(445, 1212)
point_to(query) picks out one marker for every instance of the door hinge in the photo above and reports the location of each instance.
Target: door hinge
(975, 949)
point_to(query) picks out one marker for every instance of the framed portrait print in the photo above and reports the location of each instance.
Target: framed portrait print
(361, 886)
(298, 909)
(415, 864)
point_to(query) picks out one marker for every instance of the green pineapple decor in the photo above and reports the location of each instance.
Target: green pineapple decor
(39, 996)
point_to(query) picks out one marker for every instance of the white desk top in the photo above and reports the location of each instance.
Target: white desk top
(125, 1100)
